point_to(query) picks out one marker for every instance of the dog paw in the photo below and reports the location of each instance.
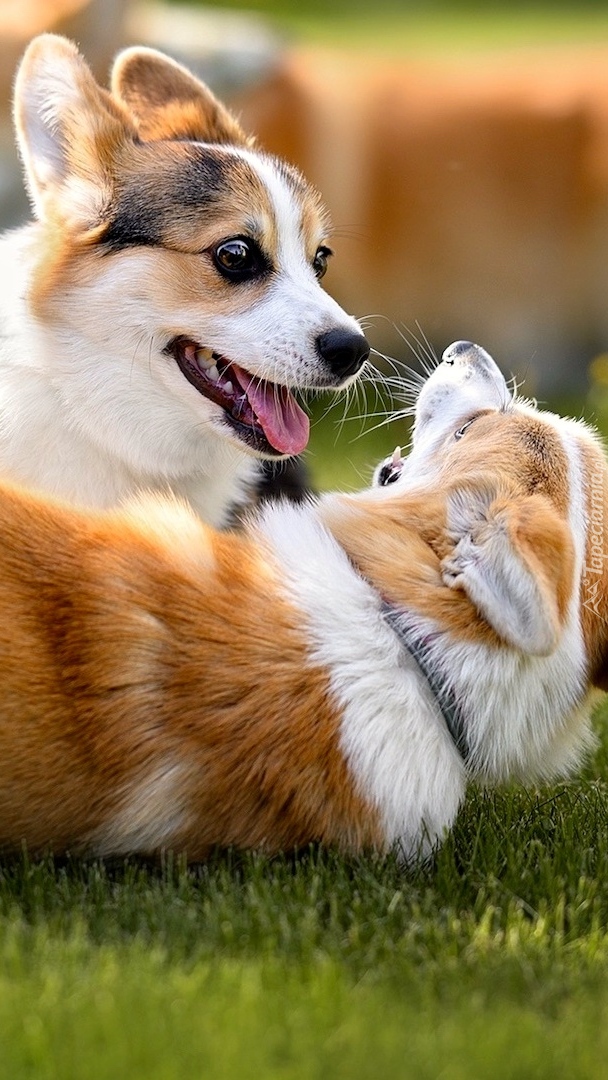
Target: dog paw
(455, 566)
(497, 563)
(468, 511)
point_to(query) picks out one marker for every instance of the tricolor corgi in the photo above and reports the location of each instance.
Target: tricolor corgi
(159, 313)
(335, 672)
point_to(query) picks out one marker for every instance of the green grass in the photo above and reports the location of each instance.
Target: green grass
(349, 439)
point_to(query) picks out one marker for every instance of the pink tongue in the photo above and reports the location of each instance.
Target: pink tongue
(284, 423)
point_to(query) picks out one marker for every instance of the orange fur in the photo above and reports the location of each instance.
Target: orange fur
(167, 102)
(122, 660)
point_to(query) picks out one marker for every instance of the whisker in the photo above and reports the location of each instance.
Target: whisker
(420, 346)
(381, 424)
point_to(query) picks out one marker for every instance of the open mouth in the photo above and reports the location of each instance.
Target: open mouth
(263, 414)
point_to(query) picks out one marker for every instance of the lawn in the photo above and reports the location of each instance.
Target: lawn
(433, 29)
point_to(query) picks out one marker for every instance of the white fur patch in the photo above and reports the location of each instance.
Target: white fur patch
(395, 741)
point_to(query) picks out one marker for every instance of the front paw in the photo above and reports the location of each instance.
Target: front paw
(468, 511)
(461, 558)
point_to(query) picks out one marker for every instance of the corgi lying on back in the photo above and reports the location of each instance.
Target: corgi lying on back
(160, 311)
(337, 672)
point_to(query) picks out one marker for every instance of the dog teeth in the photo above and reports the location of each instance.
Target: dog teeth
(207, 361)
(396, 456)
(204, 358)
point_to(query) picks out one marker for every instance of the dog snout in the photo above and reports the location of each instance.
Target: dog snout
(469, 353)
(344, 351)
(466, 364)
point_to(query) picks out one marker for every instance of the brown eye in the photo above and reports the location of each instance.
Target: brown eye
(319, 263)
(239, 259)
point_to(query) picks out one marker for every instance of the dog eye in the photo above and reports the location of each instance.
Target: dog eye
(461, 430)
(319, 263)
(239, 259)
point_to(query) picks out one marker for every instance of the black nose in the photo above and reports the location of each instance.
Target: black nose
(344, 351)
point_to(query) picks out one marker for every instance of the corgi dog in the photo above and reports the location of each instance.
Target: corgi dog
(164, 305)
(335, 672)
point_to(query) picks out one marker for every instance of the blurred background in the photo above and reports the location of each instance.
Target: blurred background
(462, 149)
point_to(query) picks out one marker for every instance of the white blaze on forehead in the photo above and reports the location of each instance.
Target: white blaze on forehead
(466, 382)
(276, 338)
(285, 208)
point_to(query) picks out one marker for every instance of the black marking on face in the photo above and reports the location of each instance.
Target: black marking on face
(133, 225)
(166, 195)
(206, 177)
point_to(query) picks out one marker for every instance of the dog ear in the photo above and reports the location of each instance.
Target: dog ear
(514, 558)
(167, 102)
(69, 132)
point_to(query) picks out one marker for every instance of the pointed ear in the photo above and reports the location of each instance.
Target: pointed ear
(69, 133)
(167, 102)
(515, 561)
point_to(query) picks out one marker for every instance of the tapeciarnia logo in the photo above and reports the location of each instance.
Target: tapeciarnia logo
(593, 570)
